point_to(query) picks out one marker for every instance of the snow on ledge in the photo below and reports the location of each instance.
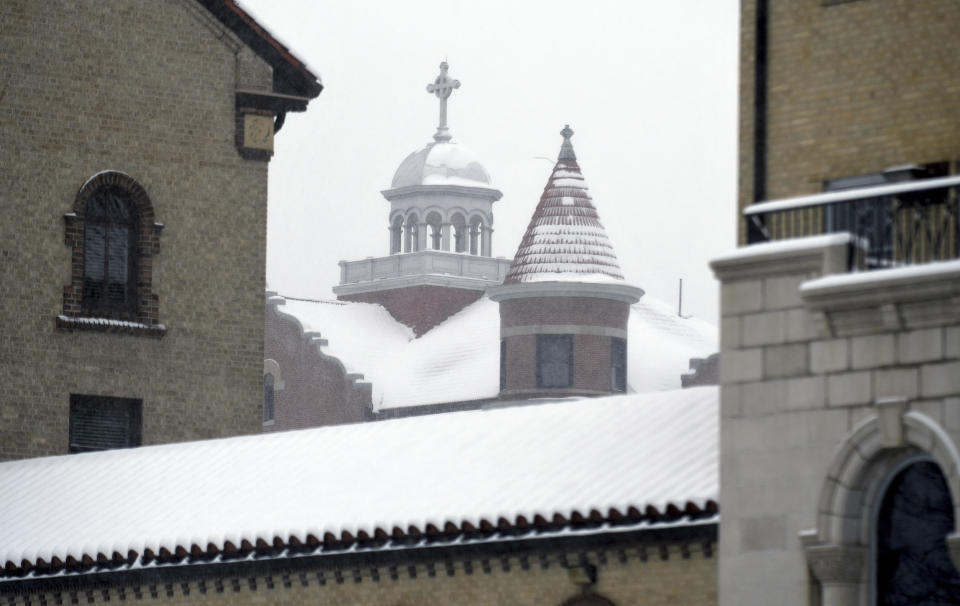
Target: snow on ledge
(110, 325)
(780, 247)
(935, 271)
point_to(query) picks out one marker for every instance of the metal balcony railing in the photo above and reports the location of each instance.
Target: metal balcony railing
(896, 224)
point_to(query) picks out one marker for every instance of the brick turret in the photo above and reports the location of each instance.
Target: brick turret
(564, 304)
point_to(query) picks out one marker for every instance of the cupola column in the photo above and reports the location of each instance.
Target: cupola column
(445, 236)
(421, 236)
(486, 240)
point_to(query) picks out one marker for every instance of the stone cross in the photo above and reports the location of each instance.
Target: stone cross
(442, 87)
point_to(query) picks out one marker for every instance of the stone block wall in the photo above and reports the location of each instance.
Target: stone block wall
(807, 365)
(853, 88)
(146, 88)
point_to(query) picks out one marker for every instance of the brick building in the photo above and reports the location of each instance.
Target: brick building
(438, 325)
(840, 397)
(520, 505)
(133, 219)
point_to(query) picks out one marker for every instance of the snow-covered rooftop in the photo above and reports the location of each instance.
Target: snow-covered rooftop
(653, 452)
(565, 239)
(441, 164)
(459, 359)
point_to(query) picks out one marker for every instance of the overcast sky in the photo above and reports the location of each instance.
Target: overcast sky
(649, 87)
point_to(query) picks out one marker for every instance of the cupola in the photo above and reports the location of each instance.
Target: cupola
(440, 232)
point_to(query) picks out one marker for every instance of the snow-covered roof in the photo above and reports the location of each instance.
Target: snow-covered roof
(441, 164)
(459, 360)
(638, 455)
(565, 240)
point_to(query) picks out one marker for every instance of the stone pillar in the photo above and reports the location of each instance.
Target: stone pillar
(421, 236)
(486, 240)
(445, 236)
(396, 234)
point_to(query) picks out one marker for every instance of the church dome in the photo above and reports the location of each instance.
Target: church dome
(441, 163)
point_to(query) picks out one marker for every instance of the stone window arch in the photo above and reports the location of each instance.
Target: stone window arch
(113, 238)
(841, 551)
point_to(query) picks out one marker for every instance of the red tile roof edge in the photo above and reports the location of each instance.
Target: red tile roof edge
(266, 546)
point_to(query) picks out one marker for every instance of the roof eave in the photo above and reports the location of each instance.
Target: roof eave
(290, 74)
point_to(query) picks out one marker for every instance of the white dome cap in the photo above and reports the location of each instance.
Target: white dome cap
(441, 163)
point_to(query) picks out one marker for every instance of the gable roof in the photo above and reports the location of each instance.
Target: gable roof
(290, 74)
(565, 240)
(637, 458)
(458, 360)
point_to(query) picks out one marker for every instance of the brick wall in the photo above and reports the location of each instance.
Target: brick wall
(316, 390)
(645, 575)
(584, 311)
(593, 322)
(853, 88)
(146, 88)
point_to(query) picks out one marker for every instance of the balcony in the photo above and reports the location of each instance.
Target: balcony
(895, 224)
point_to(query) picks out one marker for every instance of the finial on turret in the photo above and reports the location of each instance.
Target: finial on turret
(566, 150)
(442, 87)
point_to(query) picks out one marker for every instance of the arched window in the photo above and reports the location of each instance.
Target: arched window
(268, 397)
(109, 252)
(913, 564)
(113, 236)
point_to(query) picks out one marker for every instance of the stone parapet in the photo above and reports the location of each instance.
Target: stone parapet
(432, 267)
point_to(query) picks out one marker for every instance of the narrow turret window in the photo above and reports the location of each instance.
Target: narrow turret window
(554, 360)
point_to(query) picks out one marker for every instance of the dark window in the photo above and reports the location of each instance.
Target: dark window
(913, 564)
(102, 423)
(503, 364)
(268, 396)
(618, 364)
(109, 252)
(554, 360)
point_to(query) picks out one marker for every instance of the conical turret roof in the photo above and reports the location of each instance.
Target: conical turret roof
(565, 240)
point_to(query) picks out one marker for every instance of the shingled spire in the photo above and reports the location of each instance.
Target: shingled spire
(565, 240)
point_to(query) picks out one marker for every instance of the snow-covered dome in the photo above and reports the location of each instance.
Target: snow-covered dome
(441, 163)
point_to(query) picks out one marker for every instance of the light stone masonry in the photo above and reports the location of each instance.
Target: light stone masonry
(940, 379)
(829, 356)
(785, 360)
(890, 382)
(741, 365)
(921, 345)
(849, 388)
(742, 296)
(872, 351)
(764, 328)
